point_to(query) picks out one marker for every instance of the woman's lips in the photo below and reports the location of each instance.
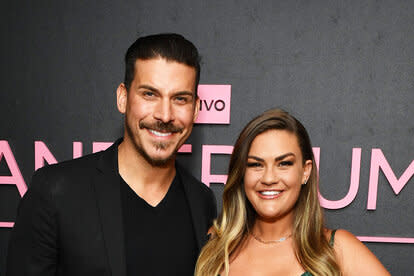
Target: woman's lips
(269, 194)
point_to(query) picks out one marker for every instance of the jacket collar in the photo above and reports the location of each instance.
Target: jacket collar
(106, 184)
(197, 206)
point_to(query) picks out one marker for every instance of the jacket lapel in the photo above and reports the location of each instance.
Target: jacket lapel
(196, 206)
(106, 183)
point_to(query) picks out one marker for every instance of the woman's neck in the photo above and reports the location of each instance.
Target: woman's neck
(276, 229)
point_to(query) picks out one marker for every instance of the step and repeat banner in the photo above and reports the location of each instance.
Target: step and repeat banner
(343, 68)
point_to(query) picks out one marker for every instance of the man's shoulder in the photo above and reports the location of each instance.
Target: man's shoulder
(80, 164)
(70, 174)
(190, 180)
(186, 174)
(198, 193)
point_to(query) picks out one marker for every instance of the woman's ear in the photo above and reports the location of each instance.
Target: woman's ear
(307, 169)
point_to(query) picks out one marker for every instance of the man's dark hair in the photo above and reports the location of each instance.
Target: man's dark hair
(172, 47)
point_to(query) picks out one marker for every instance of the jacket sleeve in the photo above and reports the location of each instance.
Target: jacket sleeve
(33, 248)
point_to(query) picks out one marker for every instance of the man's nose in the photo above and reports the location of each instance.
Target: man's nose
(164, 111)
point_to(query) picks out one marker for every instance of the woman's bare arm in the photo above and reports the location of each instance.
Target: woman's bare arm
(355, 258)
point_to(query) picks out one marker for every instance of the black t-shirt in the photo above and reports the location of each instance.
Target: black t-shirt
(159, 240)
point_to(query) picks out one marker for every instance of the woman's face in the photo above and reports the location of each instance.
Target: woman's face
(274, 174)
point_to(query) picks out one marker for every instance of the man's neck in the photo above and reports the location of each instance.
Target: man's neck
(149, 182)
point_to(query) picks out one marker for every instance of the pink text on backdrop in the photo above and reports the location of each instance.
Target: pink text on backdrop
(44, 156)
(214, 104)
(353, 186)
(207, 151)
(378, 161)
(16, 177)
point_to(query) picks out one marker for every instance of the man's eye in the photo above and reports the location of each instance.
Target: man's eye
(182, 99)
(148, 93)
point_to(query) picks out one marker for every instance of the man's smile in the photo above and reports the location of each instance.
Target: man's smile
(160, 134)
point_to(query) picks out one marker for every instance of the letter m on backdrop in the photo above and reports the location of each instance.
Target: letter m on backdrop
(397, 184)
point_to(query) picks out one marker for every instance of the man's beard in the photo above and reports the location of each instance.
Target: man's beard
(157, 126)
(155, 161)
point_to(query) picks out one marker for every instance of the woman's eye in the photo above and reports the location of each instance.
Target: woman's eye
(285, 163)
(253, 164)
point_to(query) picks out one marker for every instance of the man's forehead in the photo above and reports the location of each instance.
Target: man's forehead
(164, 74)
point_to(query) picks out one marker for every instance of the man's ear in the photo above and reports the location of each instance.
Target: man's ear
(196, 108)
(121, 98)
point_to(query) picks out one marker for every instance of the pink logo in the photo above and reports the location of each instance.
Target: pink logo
(214, 104)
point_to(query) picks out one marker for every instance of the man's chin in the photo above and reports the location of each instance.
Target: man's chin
(160, 162)
(157, 160)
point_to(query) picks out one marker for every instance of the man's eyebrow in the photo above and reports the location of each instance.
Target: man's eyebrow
(281, 157)
(153, 89)
(184, 93)
(145, 86)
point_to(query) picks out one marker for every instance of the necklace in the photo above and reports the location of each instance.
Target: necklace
(282, 239)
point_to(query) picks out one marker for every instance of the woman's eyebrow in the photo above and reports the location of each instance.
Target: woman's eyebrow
(278, 158)
(283, 156)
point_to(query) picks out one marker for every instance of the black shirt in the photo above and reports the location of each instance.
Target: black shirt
(159, 240)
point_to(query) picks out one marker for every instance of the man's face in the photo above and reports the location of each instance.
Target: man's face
(159, 108)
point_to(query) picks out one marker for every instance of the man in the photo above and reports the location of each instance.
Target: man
(129, 210)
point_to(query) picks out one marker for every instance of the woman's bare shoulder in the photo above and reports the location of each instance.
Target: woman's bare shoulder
(354, 257)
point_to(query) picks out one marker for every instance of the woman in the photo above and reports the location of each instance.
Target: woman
(271, 222)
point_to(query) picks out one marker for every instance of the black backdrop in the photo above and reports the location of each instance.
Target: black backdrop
(344, 68)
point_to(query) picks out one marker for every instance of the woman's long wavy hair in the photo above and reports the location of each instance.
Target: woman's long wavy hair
(232, 226)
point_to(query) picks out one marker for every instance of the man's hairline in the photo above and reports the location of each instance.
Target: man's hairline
(158, 56)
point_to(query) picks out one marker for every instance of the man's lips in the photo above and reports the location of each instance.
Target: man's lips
(159, 134)
(160, 128)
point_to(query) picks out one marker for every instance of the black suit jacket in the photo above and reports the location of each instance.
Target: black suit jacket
(70, 220)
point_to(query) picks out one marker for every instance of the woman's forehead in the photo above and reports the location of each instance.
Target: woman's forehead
(275, 143)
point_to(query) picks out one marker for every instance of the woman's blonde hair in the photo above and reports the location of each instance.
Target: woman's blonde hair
(232, 226)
